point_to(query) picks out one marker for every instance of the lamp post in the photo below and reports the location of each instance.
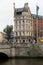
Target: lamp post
(37, 8)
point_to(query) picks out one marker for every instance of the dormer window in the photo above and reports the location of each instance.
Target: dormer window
(19, 13)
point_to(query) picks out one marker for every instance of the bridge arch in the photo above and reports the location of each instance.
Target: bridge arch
(3, 55)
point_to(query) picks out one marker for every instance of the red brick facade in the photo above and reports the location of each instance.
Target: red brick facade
(40, 25)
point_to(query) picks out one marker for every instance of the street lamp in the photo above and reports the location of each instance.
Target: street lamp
(37, 8)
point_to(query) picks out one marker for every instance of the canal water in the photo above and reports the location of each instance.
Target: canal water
(22, 62)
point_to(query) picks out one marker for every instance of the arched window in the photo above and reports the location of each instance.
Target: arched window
(23, 40)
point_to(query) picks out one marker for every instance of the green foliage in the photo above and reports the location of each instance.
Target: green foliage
(8, 32)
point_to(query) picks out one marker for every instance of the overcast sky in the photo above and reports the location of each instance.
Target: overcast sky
(7, 10)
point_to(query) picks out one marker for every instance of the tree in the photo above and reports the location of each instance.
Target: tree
(8, 32)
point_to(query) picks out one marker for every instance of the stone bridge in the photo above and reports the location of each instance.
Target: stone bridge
(14, 49)
(8, 50)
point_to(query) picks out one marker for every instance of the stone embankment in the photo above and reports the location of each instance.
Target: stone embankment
(29, 50)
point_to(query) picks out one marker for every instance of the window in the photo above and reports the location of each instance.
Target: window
(16, 22)
(23, 40)
(16, 40)
(21, 27)
(23, 20)
(16, 34)
(19, 13)
(20, 41)
(19, 22)
(29, 40)
(20, 33)
(23, 32)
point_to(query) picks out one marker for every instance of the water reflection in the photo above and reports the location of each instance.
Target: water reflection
(22, 62)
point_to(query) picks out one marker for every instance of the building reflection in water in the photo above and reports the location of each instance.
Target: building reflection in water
(23, 62)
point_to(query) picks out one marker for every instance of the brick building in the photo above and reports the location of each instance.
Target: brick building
(40, 25)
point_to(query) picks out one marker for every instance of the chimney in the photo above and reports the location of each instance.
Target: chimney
(26, 5)
(14, 5)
